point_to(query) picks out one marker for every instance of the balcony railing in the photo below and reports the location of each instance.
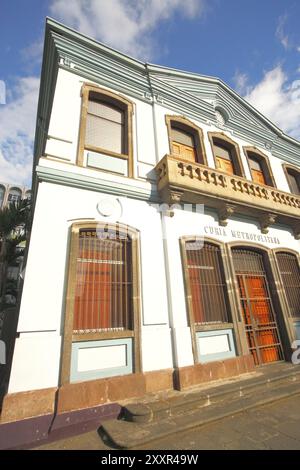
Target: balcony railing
(182, 181)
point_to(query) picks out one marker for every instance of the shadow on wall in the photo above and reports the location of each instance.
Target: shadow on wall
(8, 325)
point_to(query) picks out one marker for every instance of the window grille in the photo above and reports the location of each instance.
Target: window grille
(103, 293)
(290, 275)
(207, 285)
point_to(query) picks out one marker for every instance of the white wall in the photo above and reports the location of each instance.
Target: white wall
(42, 306)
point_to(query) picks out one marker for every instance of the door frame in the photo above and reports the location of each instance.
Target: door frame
(273, 284)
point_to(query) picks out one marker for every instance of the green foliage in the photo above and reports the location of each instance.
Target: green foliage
(15, 223)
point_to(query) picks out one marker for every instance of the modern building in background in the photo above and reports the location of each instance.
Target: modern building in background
(12, 193)
(164, 249)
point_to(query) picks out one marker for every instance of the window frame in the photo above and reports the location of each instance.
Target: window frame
(68, 336)
(187, 126)
(286, 168)
(220, 138)
(204, 326)
(231, 306)
(282, 285)
(264, 163)
(20, 195)
(116, 100)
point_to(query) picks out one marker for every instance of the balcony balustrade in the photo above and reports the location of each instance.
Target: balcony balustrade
(181, 181)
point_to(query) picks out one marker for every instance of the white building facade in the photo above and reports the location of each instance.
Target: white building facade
(165, 243)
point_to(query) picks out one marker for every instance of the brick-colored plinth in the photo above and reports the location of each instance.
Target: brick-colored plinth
(197, 374)
(96, 392)
(159, 380)
(23, 405)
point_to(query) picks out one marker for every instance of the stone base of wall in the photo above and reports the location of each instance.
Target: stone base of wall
(23, 405)
(28, 418)
(186, 377)
(95, 392)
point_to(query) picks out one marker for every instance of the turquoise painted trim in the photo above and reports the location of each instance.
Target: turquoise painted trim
(297, 328)
(183, 92)
(105, 162)
(77, 376)
(68, 178)
(217, 356)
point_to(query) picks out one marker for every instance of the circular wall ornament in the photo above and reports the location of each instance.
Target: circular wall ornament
(110, 208)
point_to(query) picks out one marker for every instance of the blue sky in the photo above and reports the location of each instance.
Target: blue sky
(252, 45)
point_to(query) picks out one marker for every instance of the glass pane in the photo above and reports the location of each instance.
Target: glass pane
(222, 152)
(255, 164)
(103, 282)
(14, 195)
(104, 134)
(293, 183)
(106, 111)
(182, 137)
(207, 284)
(290, 275)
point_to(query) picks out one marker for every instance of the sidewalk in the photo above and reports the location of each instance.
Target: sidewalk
(275, 426)
(158, 420)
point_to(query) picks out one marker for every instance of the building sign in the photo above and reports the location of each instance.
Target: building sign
(238, 234)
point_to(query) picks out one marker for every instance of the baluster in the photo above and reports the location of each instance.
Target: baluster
(214, 177)
(206, 174)
(190, 169)
(233, 182)
(222, 178)
(198, 172)
(181, 166)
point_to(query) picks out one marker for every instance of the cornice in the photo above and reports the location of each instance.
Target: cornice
(193, 95)
(75, 180)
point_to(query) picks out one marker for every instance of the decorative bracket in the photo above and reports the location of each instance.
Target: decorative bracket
(174, 198)
(265, 222)
(224, 213)
(296, 231)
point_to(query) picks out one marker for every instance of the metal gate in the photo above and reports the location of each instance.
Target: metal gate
(257, 307)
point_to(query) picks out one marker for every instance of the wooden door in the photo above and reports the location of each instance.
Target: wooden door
(257, 310)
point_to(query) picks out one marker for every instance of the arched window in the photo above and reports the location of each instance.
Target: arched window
(2, 193)
(102, 317)
(103, 284)
(260, 168)
(293, 178)
(290, 276)
(14, 195)
(106, 131)
(226, 154)
(185, 139)
(206, 283)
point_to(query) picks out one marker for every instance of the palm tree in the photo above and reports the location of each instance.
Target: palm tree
(14, 228)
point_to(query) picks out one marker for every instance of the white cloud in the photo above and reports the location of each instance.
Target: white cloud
(279, 100)
(241, 83)
(124, 24)
(280, 33)
(17, 131)
(32, 54)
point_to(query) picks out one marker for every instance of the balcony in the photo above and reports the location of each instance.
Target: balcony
(181, 181)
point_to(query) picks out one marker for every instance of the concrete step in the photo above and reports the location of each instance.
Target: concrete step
(159, 409)
(143, 423)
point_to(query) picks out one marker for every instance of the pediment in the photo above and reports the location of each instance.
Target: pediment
(216, 95)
